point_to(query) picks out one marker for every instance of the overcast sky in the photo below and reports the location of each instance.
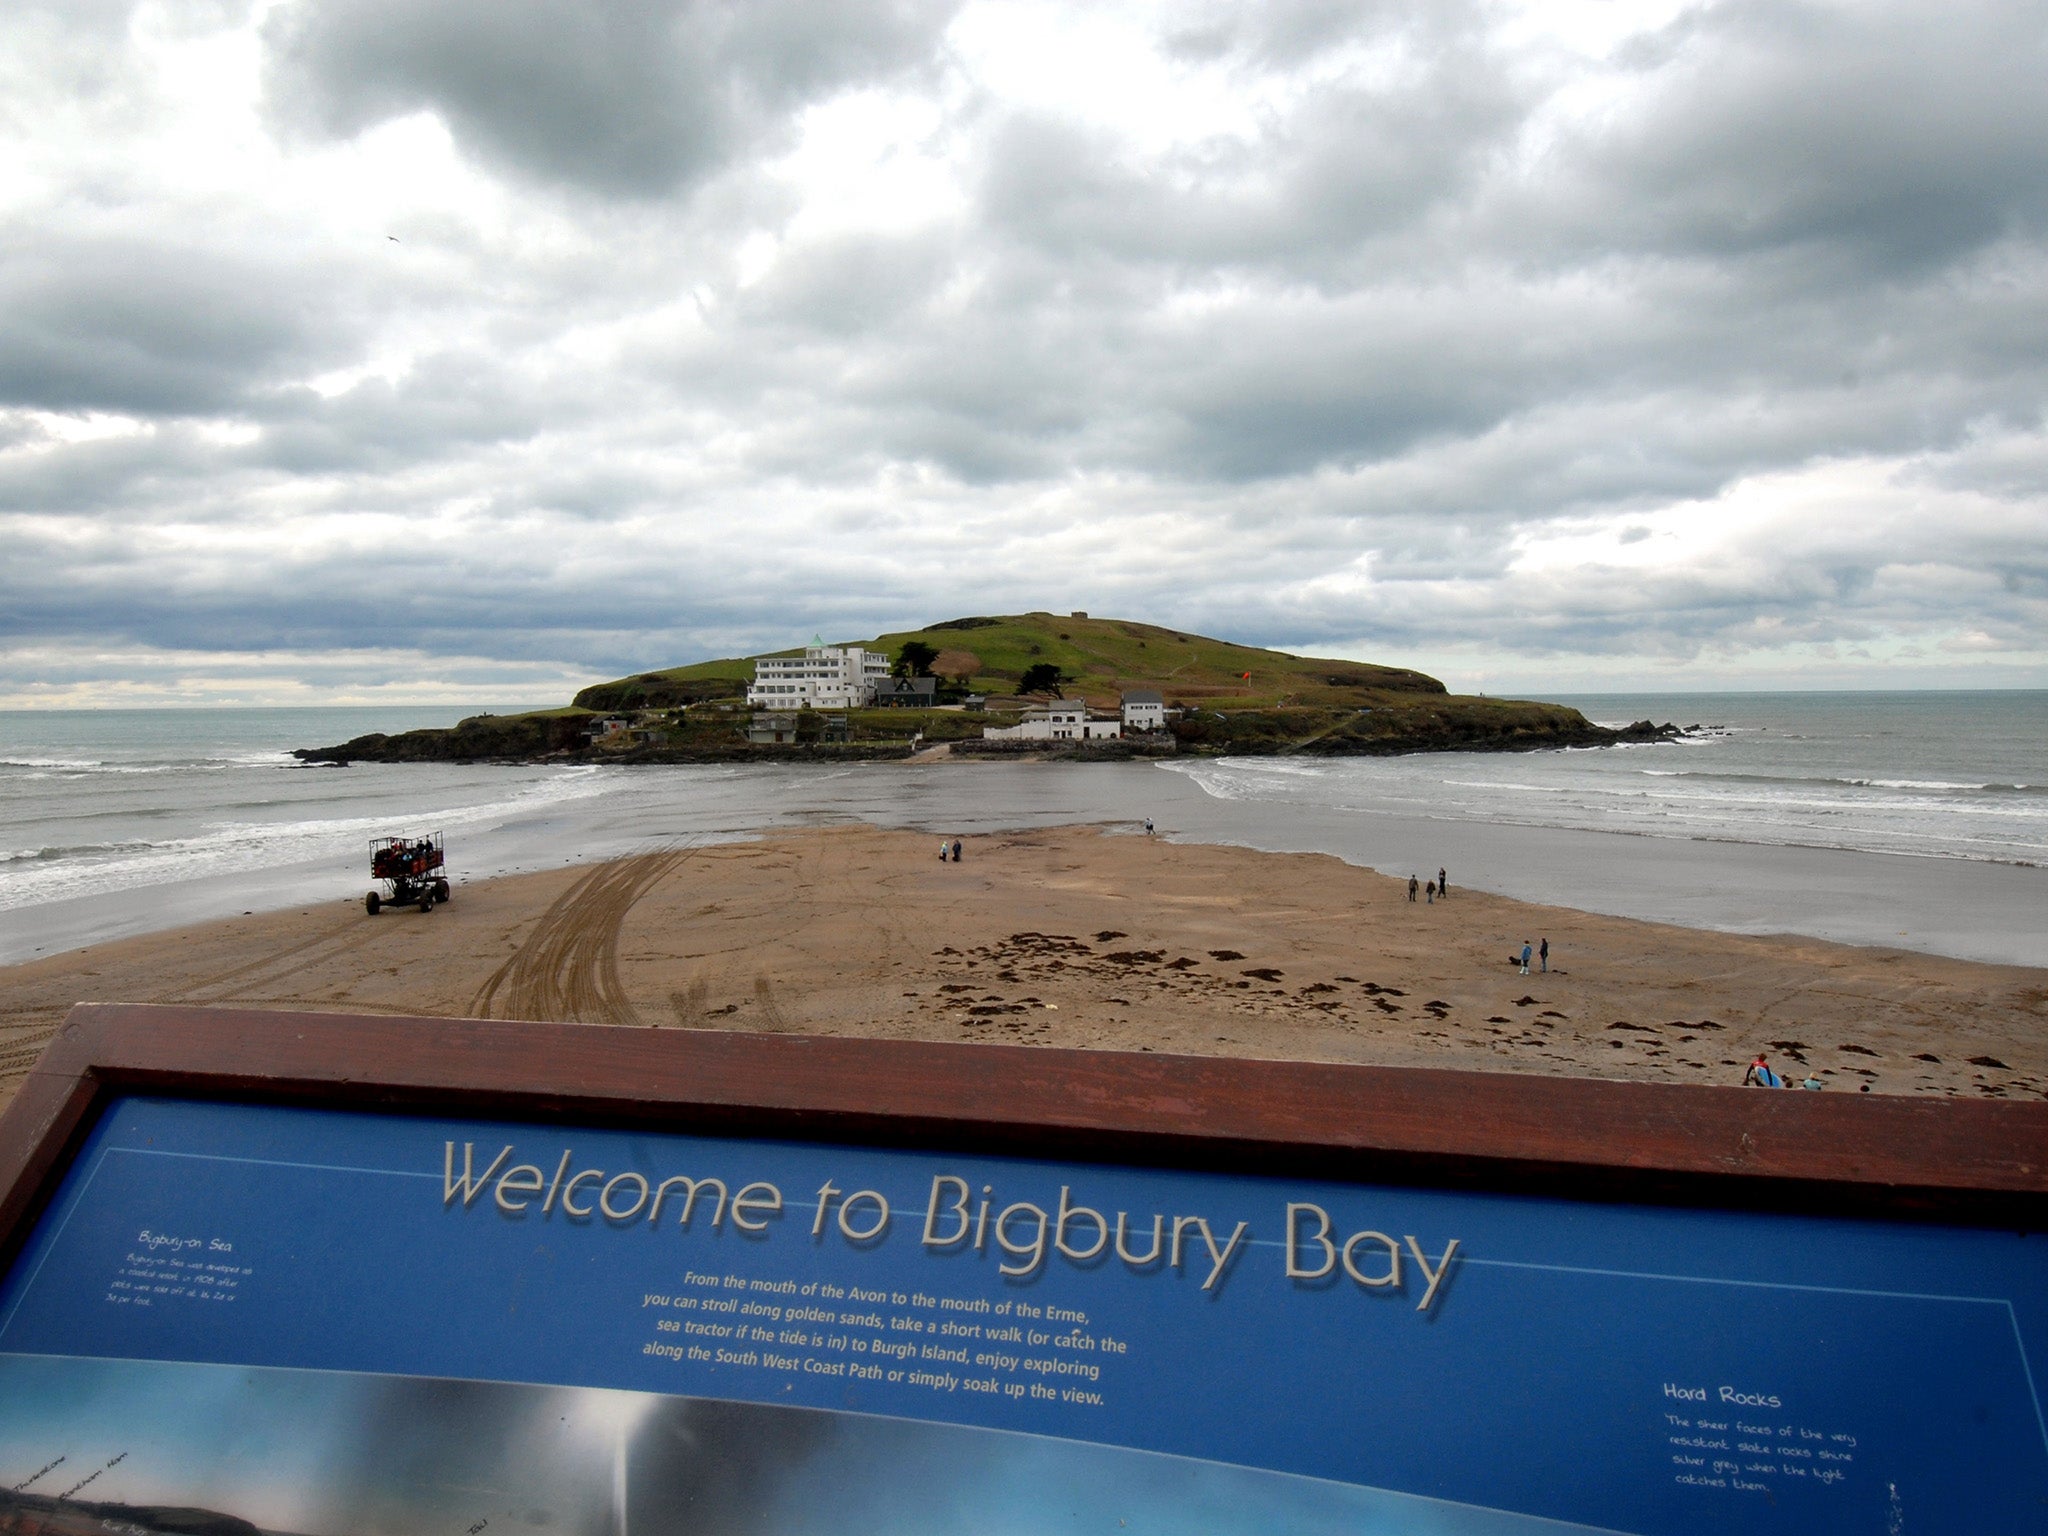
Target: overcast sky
(473, 349)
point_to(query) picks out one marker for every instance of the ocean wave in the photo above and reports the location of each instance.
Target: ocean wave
(1813, 781)
(82, 767)
(1787, 796)
(1993, 788)
(1528, 789)
(1975, 820)
(62, 873)
(51, 855)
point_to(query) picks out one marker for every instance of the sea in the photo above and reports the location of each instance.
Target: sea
(1912, 819)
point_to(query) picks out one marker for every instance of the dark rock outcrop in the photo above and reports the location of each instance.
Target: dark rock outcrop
(481, 738)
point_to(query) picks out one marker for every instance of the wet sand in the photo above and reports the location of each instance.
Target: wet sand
(1074, 937)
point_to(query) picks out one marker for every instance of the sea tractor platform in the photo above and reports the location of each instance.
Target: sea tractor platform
(410, 872)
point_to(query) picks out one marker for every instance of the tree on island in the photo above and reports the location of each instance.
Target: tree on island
(915, 659)
(1041, 677)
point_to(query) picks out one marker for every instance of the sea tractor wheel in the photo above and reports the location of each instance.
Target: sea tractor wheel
(426, 898)
(440, 890)
(371, 903)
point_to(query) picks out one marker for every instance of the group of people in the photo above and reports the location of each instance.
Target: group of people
(952, 849)
(1762, 1075)
(1440, 886)
(401, 857)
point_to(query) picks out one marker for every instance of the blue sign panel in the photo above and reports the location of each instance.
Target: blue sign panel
(329, 1323)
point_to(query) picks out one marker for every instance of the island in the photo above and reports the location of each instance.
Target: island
(1033, 685)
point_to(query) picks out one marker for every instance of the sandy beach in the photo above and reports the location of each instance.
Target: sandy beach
(1076, 937)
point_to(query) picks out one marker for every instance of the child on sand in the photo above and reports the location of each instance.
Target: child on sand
(1760, 1075)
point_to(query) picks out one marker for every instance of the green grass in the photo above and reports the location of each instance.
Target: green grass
(1102, 657)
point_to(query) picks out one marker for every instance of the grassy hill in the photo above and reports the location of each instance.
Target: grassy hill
(1100, 657)
(1231, 699)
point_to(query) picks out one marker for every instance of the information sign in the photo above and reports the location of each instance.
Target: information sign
(304, 1318)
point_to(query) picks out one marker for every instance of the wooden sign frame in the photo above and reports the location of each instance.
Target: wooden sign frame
(1719, 1362)
(1963, 1162)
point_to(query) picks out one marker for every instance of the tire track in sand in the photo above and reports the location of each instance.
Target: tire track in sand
(272, 970)
(23, 1036)
(568, 968)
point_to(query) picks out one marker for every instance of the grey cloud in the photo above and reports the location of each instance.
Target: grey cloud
(62, 47)
(130, 477)
(446, 404)
(1312, 194)
(1898, 136)
(2012, 463)
(851, 284)
(634, 99)
(1287, 34)
(1308, 385)
(1862, 140)
(154, 326)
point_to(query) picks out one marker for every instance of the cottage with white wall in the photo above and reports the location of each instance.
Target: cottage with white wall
(1061, 720)
(1144, 710)
(824, 677)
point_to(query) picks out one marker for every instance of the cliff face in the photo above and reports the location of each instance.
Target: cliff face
(1445, 723)
(653, 690)
(481, 738)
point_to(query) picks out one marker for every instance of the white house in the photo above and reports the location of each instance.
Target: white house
(824, 677)
(1144, 710)
(1061, 720)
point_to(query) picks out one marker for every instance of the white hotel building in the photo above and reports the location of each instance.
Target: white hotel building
(824, 677)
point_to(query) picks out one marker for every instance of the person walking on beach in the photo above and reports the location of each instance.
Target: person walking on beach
(1544, 952)
(1760, 1075)
(1148, 826)
(956, 850)
(1525, 957)
(1431, 890)
(943, 845)
(1443, 882)
(1414, 887)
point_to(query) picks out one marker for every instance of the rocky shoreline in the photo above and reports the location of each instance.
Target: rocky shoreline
(564, 738)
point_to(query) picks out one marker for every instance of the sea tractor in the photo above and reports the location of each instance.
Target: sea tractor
(410, 870)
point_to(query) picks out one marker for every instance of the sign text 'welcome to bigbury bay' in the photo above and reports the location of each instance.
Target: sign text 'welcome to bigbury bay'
(1026, 1235)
